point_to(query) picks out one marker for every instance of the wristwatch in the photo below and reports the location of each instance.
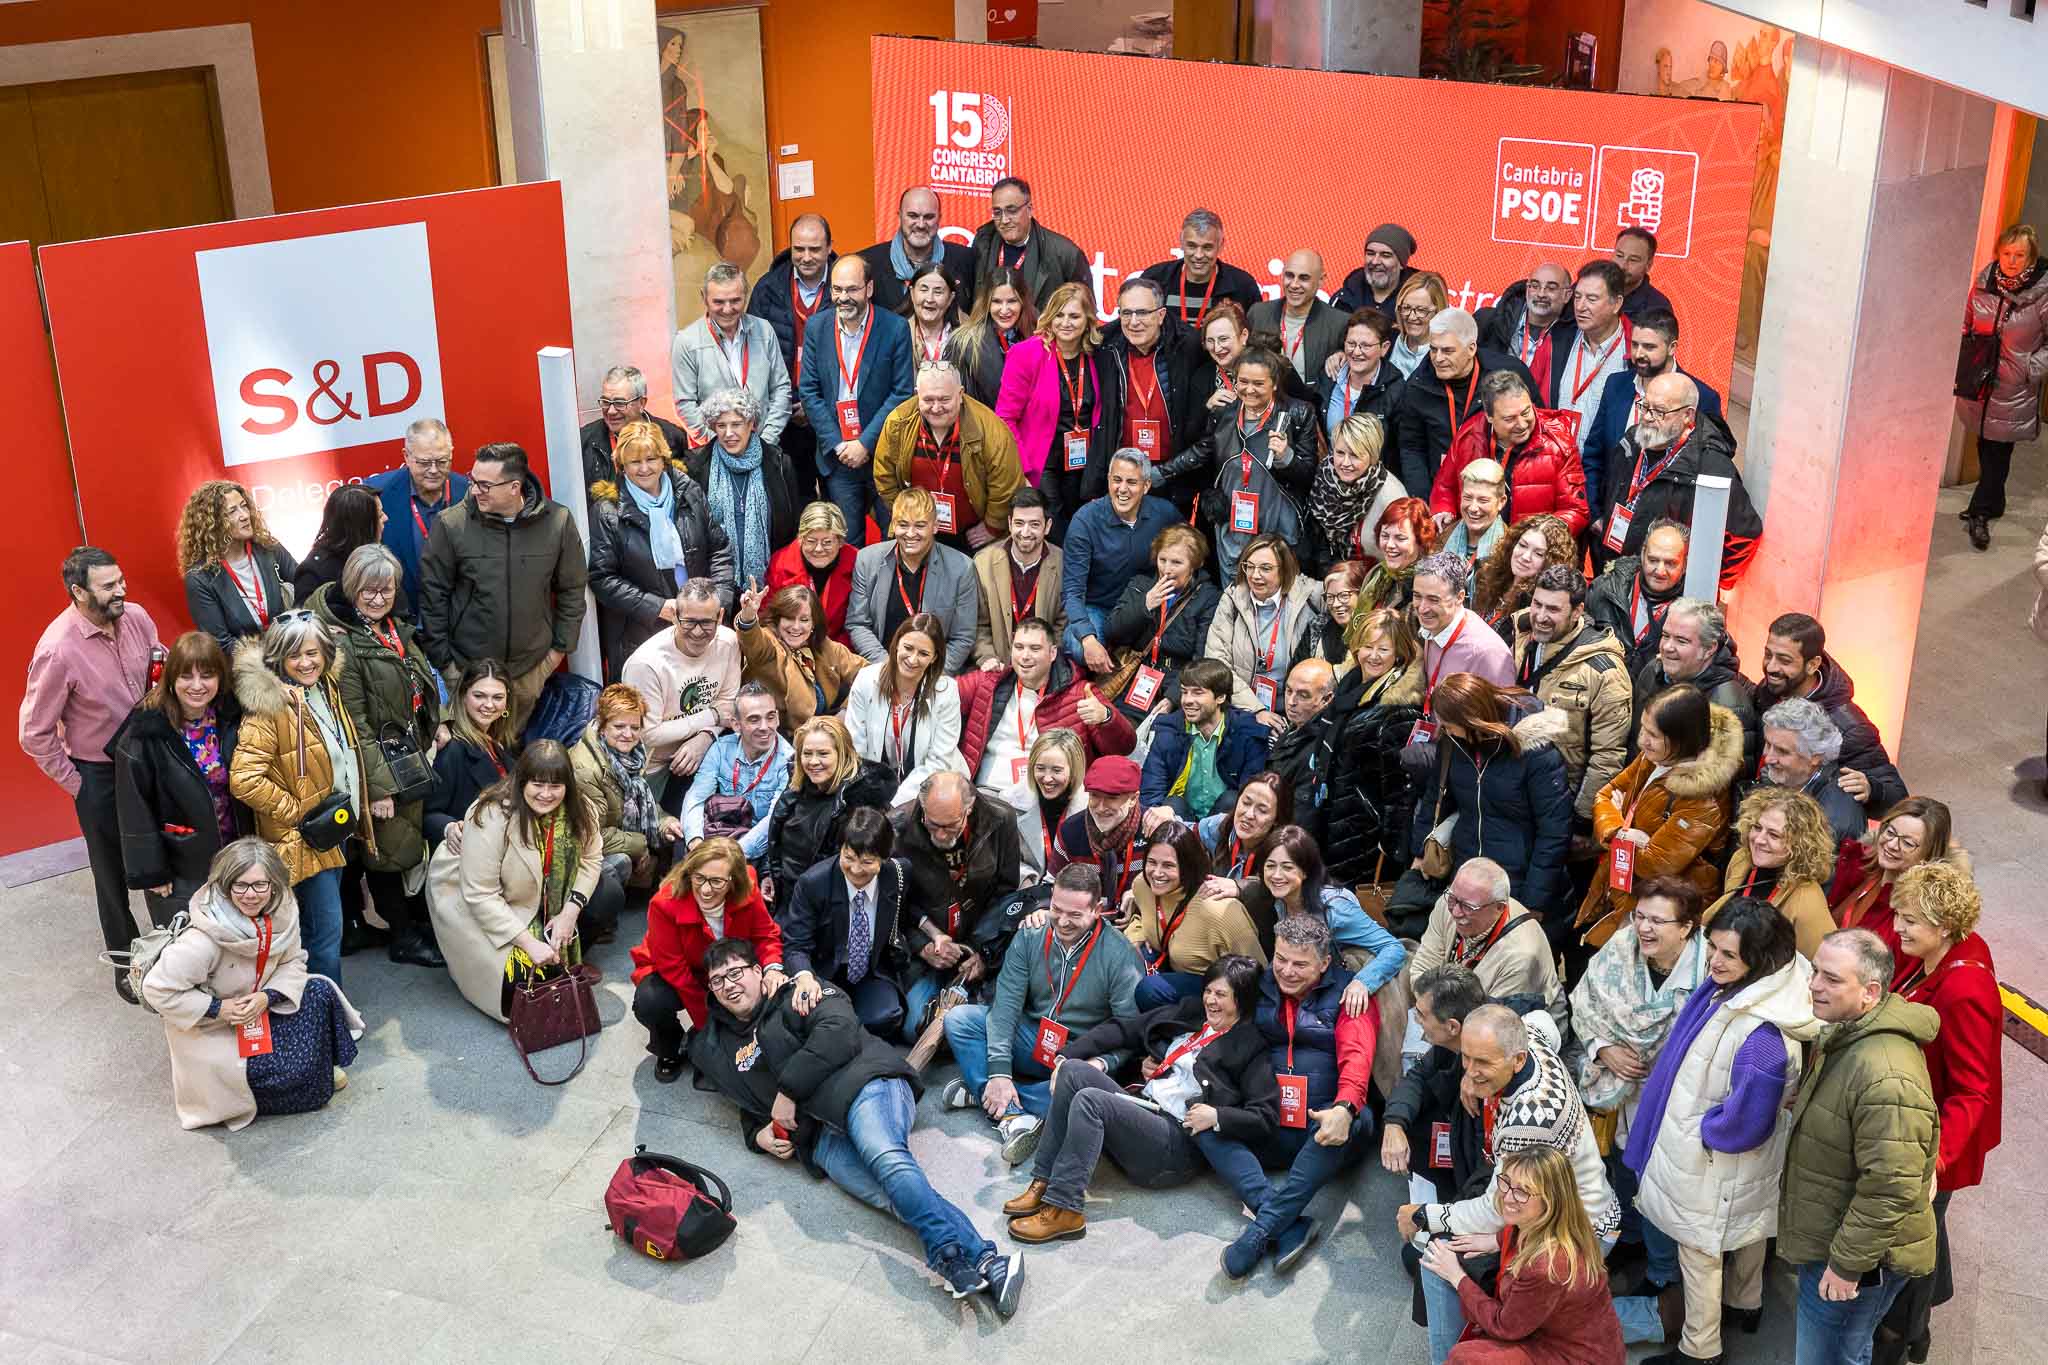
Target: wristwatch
(581, 901)
(1348, 1105)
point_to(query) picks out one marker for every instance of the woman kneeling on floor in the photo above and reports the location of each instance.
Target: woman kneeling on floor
(1204, 1066)
(250, 1030)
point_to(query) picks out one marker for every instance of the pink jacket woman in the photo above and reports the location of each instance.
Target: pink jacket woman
(1030, 402)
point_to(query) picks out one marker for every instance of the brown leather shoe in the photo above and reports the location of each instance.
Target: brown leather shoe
(1050, 1224)
(1026, 1203)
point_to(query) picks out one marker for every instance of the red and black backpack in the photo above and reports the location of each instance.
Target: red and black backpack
(667, 1208)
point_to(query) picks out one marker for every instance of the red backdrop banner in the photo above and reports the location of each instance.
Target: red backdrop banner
(290, 353)
(1493, 180)
(43, 528)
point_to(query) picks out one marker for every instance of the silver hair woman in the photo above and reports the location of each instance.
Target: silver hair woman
(237, 978)
(736, 482)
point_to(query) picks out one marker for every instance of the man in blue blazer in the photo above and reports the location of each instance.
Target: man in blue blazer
(856, 371)
(823, 945)
(1652, 350)
(415, 495)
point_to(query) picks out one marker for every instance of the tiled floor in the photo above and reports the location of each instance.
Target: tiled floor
(445, 1208)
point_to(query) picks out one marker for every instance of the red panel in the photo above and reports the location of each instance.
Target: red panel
(1294, 159)
(133, 354)
(42, 529)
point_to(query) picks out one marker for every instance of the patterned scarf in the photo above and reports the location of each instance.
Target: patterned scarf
(1337, 505)
(1382, 586)
(558, 879)
(1617, 1002)
(736, 487)
(639, 812)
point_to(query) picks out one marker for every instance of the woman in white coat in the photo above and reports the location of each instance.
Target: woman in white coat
(1711, 1127)
(1269, 616)
(238, 968)
(904, 712)
(507, 902)
(1051, 791)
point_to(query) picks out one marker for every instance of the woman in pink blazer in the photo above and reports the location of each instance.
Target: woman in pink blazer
(1052, 400)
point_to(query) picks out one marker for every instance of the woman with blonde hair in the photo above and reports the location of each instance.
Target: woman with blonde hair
(1551, 1305)
(1507, 577)
(1917, 830)
(830, 780)
(1352, 490)
(784, 647)
(1784, 854)
(1270, 617)
(1421, 297)
(236, 573)
(1482, 496)
(820, 559)
(1051, 791)
(1052, 400)
(711, 895)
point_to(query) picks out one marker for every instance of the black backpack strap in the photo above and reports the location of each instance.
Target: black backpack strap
(714, 1188)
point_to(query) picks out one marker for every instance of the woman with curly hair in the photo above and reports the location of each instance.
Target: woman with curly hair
(1784, 854)
(235, 571)
(1507, 577)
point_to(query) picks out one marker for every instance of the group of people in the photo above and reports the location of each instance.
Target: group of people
(1256, 725)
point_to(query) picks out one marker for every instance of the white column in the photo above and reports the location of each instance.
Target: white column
(1871, 253)
(564, 463)
(585, 90)
(1380, 36)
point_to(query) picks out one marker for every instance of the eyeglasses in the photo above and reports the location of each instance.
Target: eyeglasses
(996, 211)
(1143, 312)
(617, 404)
(1660, 414)
(1511, 1193)
(1651, 920)
(709, 882)
(1458, 902)
(250, 888)
(1416, 311)
(944, 826)
(1890, 835)
(690, 627)
(718, 981)
(486, 485)
(378, 594)
(432, 461)
(1340, 597)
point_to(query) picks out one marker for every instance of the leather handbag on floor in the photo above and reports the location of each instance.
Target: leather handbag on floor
(550, 1008)
(668, 1208)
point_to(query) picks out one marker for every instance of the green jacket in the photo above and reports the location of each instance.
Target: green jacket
(1859, 1173)
(510, 591)
(377, 687)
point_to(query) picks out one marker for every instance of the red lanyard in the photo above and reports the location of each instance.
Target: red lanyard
(1003, 255)
(1045, 951)
(1047, 832)
(1462, 951)
(1579, 385)
(911, 608)
(1160, 634)
(1635, 604)
(938, 352)
(1638, 480)
(396, 644)
(1288, 1009)
(1531, 339)
(745, 350)
(547, 866)
(447, 491)
(1077, 391)
(1023, 742)
(1273, 644)
(1441, 657)
(1223, 382)
(1129, 867)
(1194, 1044)
(851, 377)
(1293, 349)
(1240, 864)
(1245, 445)
(262, 949)
(254, 597)
(1020, 610)
(1003, 340)
(1451, 406)
(1166, 929)
(943, 454)
(1145, 400)
(899, 715)
(491, 752)
(1207, 294)
(765, 759)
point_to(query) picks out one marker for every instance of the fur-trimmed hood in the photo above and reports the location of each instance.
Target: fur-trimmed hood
(1716, 767)
(1547, 726)
(262, 692)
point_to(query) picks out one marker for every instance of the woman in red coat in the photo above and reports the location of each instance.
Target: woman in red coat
(1914, 831)
(821, 560)
(1944, 965)
(1550, 1305)
(1535, 446)
(711, 895)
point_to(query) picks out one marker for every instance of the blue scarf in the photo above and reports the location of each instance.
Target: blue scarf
(736, 487)
(899, 258)
(664, 542)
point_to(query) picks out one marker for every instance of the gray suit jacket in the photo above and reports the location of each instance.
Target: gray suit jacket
(950, 593)
(700, 369)
(1322, 335)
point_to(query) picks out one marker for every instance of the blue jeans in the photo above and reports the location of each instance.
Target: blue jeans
(871, 1161)
(320, 922)
(967, 1035)
(1095, 622)
(1309, 1165)
(915, 999)
(1841, 1333)
(1164, 988)
(1663, 1254)
(852, 491)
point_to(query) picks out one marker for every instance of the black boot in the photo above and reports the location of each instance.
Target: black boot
(414, 950)
(359, 934)
(1980, 531)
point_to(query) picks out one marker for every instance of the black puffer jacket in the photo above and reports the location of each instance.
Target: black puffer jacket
(1862, 746)
(1512, 807)
(156, 785)
(630, 590)
(1724, 685)
(805, 825)
(1235, 1070)
(1370, 812)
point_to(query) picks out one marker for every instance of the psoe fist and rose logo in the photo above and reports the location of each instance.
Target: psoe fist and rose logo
(971, 141)
(1577, 195)
(320, 343)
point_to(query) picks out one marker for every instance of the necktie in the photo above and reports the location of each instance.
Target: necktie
(859, 940)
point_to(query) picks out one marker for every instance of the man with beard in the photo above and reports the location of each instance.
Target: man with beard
(1107, 833)
(964, 857)
(1635, 250)
(1631, 598)
(1598, 349)
(727, 349)
(1575, 666)
(88, 671)
(1440, 397)
(1695, 648)
(1796, 663)
(1200, 278)
(855, 370)
(1014, 239)
(1310, 330)
(1655, 470)
(1534, 449)
(1003, 712)
(1374, 284)
(1149, 389)
(917, 243)
(1202, 753)
(1652, 350)
(1530, 322)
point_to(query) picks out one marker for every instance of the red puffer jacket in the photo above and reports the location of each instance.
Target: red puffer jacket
(1060, 706)
(677, 937)
(1543, 476)
(1963, 1060)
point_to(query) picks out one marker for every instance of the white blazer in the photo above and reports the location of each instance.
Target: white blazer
(934, 737)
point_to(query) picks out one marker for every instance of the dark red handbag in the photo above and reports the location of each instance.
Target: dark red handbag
(548, 1009)
(667, 1208)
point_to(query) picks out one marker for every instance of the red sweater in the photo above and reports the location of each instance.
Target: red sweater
(1532, 1321)
(1852, 864)
(788, 569)
(1963, 1060)
(1544, 474)
(677, 937)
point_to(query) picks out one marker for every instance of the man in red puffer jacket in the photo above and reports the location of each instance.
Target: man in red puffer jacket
(1538, 448)
(1003, 710)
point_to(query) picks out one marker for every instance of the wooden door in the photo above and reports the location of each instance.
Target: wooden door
(110, 155)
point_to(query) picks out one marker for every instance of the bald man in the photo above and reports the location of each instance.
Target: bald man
(917, 244)
(960, 452)
(1309, 329)
(1304, 751)
(1651, 475)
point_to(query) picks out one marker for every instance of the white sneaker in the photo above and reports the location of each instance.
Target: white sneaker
(956, 1096)
(340, 1079)
(1020, 1137)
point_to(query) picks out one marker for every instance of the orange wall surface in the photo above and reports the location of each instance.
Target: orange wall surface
(381, 99)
